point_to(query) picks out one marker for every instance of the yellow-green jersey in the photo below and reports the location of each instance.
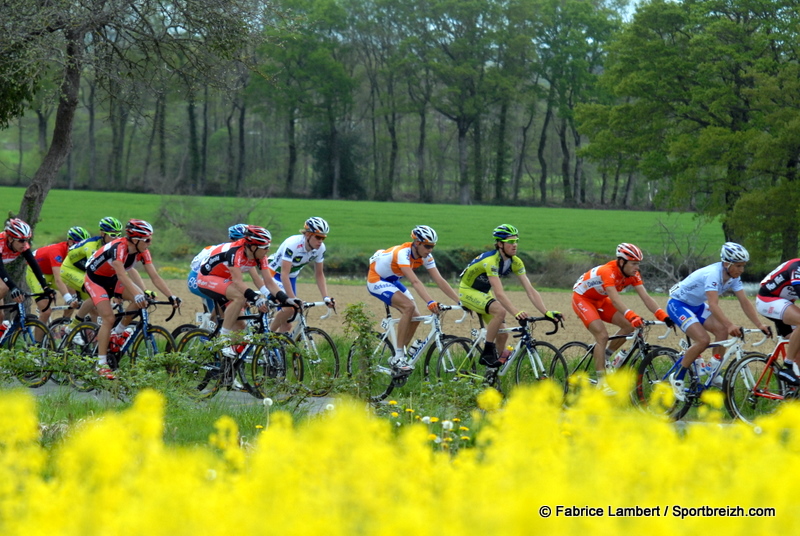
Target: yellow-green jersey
(476, 274)
(73, 269)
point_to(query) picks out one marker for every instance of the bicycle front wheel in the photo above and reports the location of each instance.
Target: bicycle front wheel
(541, 361)
(275, 368)
(79, 356)
(653, 390)
(456, 362)
(370, 366)
(31, 357)
(156, 341)
(753, 388)
(199, 370)
(320, 360)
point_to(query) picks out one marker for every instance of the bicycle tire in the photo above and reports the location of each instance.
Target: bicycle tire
(79, 359)
(156, 341)
(550, 357)
(276, 369)
(181, 330)
(580, 365)
(375, 369)
(432, 355)
(747, 401)
(653, 390)
(457, 361)
(321, 360)
(36, 371)
(200, 370)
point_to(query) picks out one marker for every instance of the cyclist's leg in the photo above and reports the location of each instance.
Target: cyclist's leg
(786, 316)
(101, 299)
(594, 316)
(279, 322)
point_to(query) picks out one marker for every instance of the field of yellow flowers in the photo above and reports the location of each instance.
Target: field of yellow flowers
(521, 469)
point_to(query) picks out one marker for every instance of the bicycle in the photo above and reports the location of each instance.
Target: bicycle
(753, 387)
(580, 356)
(30, 357)
(376, 366)
(143, 341)
(320, 354)
(260, 363)
(533, 360)
(652, 379)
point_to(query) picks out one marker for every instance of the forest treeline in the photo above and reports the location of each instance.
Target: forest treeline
(687, 105)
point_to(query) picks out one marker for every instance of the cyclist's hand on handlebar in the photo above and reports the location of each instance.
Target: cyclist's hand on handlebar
(635, 320)
(766, 330)
(140, 300)
(522, 315)
(262, 304)
(16, 295)
(734, 331)
(669, 322)
(150, 294)
(433, 307)
(554, 315)
(175, 301)
(330, 302)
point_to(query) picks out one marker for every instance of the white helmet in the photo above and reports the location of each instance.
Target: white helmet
(733, 252)
(316, 225)
(424, 234)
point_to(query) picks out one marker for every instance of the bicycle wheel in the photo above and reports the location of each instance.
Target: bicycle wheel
(536, 362)
(432, 356)
(753, 388)
(653, 390)
(156, 341)
(79, 356)
(320, 360)
(199, 371)
(275, 369)
(456, 362)
(58, 332)
(580, 366)
(32, 357)
(372, 370)
(181, 330)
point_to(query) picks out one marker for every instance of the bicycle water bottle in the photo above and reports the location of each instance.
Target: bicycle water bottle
(4, 327)
(703, 367)
(620, 358)
(716, 362)
(416, 345)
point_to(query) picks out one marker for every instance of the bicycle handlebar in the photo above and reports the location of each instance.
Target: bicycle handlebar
(533, 320)
(309, 305)
(456, 308)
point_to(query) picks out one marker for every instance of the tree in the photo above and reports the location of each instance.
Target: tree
(124, 42)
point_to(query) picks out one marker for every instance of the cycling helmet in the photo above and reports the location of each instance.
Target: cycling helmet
(111, 225)
(235, 232)
(424, 234)
(257, 236)
(317, 226)
(733, 252)
(77, 234)
(139, 229)
(504, 232)
(629, 252)
(16, 228)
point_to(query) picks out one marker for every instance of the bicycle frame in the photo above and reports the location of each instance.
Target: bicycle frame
(756, 387)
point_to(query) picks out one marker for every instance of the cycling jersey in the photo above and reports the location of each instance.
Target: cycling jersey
(782, 281)
(692, 290)
(222, 257)
(593, 284)
(81, 252)
(295, 250)
(9, 255)
(49, 256)
(490, 264)
(99, 268)
(385, 264)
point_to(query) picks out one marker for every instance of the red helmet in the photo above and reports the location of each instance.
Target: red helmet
(629, 252)
(257, 236)
(16, 228)
(139, 229)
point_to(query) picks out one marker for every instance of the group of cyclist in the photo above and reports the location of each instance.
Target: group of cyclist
(102, 267)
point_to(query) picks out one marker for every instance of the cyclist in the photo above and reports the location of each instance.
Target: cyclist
(73, 269)
(596, 300)
(776, 301)
(481, 290)
(235, 232)
(110, 271)
(694, 306)
(15, 241)
(49, 258)
(292, 255)
(388, 266)
(220, 278)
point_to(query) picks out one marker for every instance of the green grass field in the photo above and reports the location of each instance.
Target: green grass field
(367, 226)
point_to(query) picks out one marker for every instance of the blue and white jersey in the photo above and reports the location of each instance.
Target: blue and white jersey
(295, 250)
(692, 290)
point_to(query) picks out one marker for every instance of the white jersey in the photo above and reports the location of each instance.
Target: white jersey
(692, 290)
(294, 249)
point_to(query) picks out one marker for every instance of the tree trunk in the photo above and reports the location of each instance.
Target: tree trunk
(231, 156)
(42, 117)
(500, 166)
(540, 154)
(193, 182)
(391, 175)
(425, 194)
(569, 198)
(463, 168)
(242, 161)
(92, 136)
(21, 153)
(61, 144)
(523, 149)
(477, 159)
(292, 135)
(201, 180)
(336, 159)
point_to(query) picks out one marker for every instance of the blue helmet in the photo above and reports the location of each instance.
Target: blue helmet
(78, 234)
(111, 225)
(236, 232)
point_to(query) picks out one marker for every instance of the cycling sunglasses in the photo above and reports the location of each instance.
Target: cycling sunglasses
(510, 240)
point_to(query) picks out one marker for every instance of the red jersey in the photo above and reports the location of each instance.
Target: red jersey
(99, 266)
(50, 256)
(223, 256)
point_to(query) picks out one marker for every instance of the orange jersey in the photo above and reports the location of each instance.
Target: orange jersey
(385, 264)
(593, 284)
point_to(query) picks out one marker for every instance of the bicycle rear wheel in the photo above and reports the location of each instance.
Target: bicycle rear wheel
(79, 356)
(538, 362)
(653, 390)
(373, 370)
(199, 371)
(753, 388)
(580, 366)
(456, 362)
(320, 360)
(148, 345)
(276, 368)
(32, 357)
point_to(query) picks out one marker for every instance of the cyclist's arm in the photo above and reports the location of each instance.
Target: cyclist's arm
(442, 283)
(60, 285)
(265, 280)
(716, 311)
(616, 300)
(412, 278)
(319, 275)
(125, 279)
(501, 296)
(31, 260)
(648, 300)
(749, 310)
(286, 271)
(157, 280)
(533, 294)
